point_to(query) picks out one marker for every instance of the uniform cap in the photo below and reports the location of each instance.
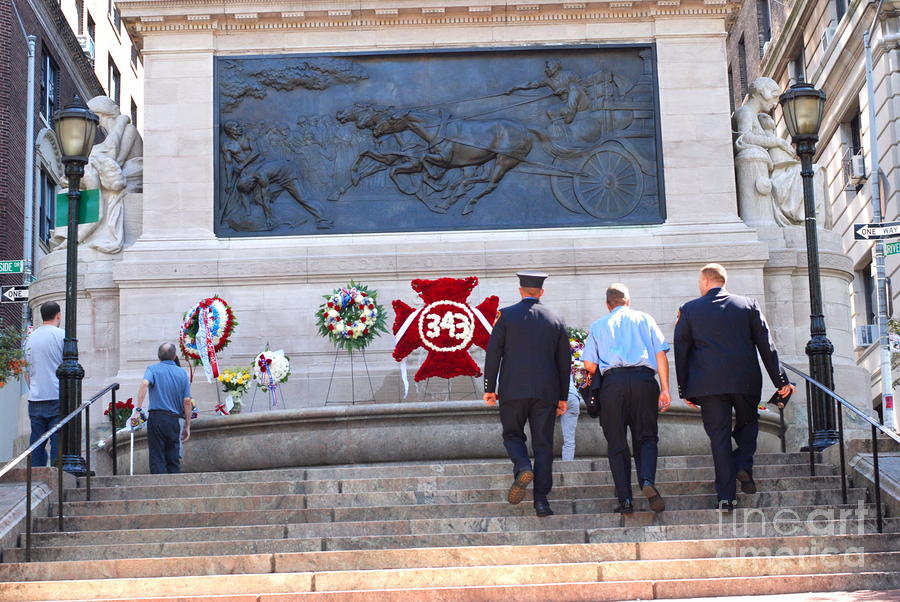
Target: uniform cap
(531, 279)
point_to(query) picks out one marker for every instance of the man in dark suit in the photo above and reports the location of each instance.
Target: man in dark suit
(529, 347)
(717, 337)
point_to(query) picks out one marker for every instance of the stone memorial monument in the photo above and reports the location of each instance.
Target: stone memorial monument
(293, 147)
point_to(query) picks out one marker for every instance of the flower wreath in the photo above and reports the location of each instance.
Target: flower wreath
(351, 317)
(222, 325)
(579, 373)
(271, 368)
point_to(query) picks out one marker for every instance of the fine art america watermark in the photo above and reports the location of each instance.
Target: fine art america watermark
(819, 524)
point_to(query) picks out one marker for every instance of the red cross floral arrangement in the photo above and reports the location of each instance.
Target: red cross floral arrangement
(446, 326)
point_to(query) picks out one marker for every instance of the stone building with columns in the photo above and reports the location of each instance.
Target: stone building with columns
(625, 172)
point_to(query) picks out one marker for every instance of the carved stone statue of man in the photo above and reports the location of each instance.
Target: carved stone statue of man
(115, 166)
(769, 185)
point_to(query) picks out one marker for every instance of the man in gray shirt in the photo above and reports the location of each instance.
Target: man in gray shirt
(170, 399)
(43, 352)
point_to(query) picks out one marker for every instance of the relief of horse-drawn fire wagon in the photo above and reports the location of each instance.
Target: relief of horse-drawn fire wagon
(456, 159)
(522, 138)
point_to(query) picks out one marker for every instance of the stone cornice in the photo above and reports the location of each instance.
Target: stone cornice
(147, 17)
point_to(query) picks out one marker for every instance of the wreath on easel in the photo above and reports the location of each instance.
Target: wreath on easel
(351, 317)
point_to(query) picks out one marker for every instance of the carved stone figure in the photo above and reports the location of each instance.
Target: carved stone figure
(116, 167)
(769, 184)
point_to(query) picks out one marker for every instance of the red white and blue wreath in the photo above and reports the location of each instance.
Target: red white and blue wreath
(206, 330)
(351, 317)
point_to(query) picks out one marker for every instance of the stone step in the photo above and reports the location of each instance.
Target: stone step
(181, 532)
(456, 468)
(562, 479)
(707, 576)
(446, 557)
(427, 508)
(474, 531)
(387, 498)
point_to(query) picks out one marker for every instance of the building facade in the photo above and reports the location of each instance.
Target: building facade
(116, 60)
(822, 42)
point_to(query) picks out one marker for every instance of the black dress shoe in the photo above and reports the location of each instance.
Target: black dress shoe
(657, 504)
(517, 489)
(748, 485)
(625, 507)
(542, 508)
(726, 505)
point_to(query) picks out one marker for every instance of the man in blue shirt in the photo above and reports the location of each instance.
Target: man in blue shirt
(170, 399)
(627, 350)
(43, 353)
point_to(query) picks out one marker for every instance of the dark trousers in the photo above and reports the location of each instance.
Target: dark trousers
(716, 411)
(43, 416)
(163, 437)
(629, 400)
(540, 414)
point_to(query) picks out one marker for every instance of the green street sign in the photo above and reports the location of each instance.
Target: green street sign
(88, 208)
(16, 266)
(892, 248)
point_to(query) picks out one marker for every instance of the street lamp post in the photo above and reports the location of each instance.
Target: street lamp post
(803, 106)
(75, 127)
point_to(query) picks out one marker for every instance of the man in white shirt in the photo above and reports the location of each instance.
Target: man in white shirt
(43, 352)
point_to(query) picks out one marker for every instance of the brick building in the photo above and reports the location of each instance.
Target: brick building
(61, 70)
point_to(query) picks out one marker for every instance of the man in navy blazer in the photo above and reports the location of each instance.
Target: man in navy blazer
(717, 337)
(530, 356)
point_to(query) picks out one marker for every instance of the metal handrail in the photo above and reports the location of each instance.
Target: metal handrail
(876, 427)
(42, 440)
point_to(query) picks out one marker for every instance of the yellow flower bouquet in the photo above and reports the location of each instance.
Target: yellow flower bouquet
(235, 382)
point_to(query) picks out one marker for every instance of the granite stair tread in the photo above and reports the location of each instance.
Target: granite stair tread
(439, 531)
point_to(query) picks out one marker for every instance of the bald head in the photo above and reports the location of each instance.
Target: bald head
(167, 351)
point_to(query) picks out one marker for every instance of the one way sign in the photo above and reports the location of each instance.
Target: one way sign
(14, 294)
(874, 231)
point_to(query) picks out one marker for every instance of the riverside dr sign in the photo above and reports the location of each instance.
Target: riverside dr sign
(16, 266)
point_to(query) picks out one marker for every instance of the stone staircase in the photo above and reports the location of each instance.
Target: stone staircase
(444, 532)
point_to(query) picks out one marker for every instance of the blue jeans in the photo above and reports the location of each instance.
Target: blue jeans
(568, 422)
(44, 415)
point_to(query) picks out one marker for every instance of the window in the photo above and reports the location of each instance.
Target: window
(79, 8)
(49, 84)
(764, 24)
(742, 65)
(797, 68)
(854, 166)
(840, 9)
(115, 82)
(47, 192)
(731, 89)
(115, 16)
(133, 113)
(867, 309)
(91, 27)
(135, 57)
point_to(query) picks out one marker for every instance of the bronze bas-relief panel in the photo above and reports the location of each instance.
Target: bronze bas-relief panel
(421, 141)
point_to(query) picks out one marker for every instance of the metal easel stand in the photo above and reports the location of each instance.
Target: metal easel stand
(278, 393)
(352, 399)
(449, 391)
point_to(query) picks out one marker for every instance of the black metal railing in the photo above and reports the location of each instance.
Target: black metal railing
(843, 404)
(84, 408)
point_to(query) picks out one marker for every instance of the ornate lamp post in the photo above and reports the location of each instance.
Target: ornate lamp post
(75, 127)
(803, 106)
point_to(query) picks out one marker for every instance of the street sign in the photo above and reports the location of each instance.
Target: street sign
(16, 266)
(874, 231)
(14, 294)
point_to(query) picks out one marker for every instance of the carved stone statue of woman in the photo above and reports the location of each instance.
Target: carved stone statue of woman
(115, 166)
(769, 184)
